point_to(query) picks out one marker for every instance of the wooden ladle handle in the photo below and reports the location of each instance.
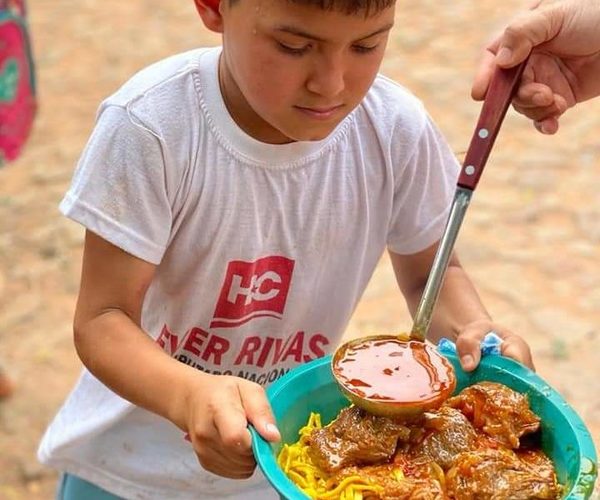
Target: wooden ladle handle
(499, 95)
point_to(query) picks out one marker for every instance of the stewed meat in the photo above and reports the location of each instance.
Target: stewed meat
(500, 475)
(354, 438)
(447, 433)
(498, 411)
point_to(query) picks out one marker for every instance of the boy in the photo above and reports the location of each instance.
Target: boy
(236, 202)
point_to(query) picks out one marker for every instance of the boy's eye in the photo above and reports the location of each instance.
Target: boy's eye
(363, 49)
(295, 51)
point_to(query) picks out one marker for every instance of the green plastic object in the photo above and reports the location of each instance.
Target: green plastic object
(311, 387)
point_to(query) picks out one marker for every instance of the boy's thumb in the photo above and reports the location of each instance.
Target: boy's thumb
(266, 428)
(258, 413)
(271, 432)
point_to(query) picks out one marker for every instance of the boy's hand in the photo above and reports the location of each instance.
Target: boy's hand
(469, 341)
(219, 408)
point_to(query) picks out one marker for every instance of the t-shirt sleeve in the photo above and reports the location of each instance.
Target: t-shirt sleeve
(423, 191)
(119, 189)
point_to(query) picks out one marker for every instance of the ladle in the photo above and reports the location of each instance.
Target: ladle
(403, 375)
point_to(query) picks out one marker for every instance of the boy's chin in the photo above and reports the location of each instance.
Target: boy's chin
(310, 135)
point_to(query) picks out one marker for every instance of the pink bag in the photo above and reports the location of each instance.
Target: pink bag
(17, 85)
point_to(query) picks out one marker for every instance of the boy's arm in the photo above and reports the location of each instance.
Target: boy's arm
(108, 337)
(459, 313)
(213, 409)
(458, 303)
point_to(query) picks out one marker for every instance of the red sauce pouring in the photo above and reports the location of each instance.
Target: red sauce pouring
(395, 371)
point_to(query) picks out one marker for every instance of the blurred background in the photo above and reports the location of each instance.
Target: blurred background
(531, 239)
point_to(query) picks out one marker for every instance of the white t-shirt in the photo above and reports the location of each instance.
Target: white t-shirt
(263, 251)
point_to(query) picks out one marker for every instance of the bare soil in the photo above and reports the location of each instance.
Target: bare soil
(531, 240)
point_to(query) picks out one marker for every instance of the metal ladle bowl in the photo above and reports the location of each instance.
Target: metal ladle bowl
(417, 371)
(431, 367)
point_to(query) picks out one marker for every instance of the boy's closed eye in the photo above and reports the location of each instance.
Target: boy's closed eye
(293, 50)
(301, 50)
(296, 42)
(364, 48)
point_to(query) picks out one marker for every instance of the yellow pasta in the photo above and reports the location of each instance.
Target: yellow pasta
(315, 482)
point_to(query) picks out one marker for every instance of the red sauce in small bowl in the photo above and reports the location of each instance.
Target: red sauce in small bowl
(395, 371)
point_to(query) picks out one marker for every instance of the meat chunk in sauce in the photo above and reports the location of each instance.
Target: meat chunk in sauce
(498, 411)
(500, 475)
(447, 433)
(355, 438)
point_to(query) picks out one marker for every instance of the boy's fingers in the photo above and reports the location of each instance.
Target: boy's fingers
(515, 347)
(231, 422)
(222, 449)
(468, 347)
(217, 463)
(258, 411)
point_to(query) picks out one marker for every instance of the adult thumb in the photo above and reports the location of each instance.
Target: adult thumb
(525, 32)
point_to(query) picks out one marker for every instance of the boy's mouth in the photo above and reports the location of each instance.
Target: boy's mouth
(320, 113)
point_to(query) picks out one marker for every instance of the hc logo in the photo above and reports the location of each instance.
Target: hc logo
(252, 290)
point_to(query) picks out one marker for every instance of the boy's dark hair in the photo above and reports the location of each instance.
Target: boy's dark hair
(347, 6)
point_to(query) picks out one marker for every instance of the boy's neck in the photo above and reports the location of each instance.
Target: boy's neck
(242, 113)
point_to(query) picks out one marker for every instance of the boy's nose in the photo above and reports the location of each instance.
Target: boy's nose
(327, 78)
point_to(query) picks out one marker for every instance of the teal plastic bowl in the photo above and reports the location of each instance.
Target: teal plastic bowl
(311, 387)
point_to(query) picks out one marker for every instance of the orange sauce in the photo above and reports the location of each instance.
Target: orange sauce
(395, 371)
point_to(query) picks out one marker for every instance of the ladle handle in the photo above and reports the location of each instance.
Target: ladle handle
(500, 92)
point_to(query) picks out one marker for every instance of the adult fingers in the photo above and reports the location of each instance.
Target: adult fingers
(484, 73)
(526, 31)
(258, 410)
(539, 113)
(534, 95)
(527, 87)
(548, 126)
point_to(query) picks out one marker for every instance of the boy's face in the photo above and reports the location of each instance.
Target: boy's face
(292, 72)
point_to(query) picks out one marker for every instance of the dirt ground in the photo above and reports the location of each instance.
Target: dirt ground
(531, 240)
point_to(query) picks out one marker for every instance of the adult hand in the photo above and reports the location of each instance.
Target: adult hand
(218, 409)
(468, 344)
(564, 67)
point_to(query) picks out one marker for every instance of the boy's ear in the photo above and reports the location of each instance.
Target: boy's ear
(209, 12)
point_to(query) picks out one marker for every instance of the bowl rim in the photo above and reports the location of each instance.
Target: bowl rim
(581, 486)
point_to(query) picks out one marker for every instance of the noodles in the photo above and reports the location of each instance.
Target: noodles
(315, 482)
